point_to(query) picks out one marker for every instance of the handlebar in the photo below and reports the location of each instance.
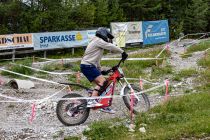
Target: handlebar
(115, 67)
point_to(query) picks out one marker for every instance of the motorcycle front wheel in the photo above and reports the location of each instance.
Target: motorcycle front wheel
(141, 104)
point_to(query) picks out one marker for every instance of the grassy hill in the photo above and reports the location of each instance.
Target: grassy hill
(181, 117)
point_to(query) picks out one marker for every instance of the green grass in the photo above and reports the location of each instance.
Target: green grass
(186, 55)
(53, 67)
(19, 69)
(107, 130)
(185, 73)
(134, 69)
(181, 117)
(104, 130)
(67, 53)
(205, 75)
(72, 138)
(83, 81)
(62, 66)
(160, 71)
(205, 61)
(199, 47)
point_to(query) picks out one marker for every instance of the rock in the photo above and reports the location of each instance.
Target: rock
(87, 129)
(84, 137)
(142, 129)
(131, 128)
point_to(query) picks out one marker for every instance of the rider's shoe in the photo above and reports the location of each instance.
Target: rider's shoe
(108, 110)
(93, 103)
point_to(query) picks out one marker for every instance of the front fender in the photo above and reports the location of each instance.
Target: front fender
(122, 90)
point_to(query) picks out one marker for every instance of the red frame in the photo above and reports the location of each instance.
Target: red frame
(112, 82)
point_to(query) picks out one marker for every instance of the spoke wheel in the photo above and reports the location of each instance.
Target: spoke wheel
(72, 112)
(141, 105)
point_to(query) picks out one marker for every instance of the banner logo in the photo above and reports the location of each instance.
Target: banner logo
(155, 32)
(149, 29)
(78, 36)
(15, 39)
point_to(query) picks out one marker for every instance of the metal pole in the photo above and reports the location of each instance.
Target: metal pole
(13, 55)
(72, 51)
(45, 54)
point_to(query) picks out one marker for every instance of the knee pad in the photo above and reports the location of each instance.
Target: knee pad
(102, 88)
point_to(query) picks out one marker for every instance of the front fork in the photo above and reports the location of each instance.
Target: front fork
(129, 86)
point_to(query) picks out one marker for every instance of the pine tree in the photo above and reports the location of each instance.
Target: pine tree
(83, 14)
(115, 12)
(196, 17)
(101, 14)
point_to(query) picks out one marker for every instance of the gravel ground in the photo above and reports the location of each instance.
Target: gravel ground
(184, 63)
(15, 116)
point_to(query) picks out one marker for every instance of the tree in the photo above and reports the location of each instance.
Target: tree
(196, 17)
(115, 12)
(101, 14)
(83, 14)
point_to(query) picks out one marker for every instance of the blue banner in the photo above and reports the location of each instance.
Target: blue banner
(52, 40)
(155, 32)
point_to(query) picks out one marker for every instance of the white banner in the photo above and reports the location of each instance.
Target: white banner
(13, 41)
(52, 40)
(91, 34)
(127, 32)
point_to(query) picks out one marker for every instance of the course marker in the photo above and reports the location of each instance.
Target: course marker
(167, 89)
(33, 113)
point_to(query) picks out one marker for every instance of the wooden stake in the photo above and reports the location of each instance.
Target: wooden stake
(33, 59)
(78, 77)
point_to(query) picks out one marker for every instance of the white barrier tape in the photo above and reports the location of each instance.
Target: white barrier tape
(83, 98)
(53, 73)
(207, 49)
(146, 81)
(44, 58)
(31, 77)
(47, 98)
(193, 52)
(79, 59)
(170, 44)
(54, 60)
(161, 51)
(14, 59)
(194, 34)
(8, 97)
(18, 100)
(132, 58)
(194, 41)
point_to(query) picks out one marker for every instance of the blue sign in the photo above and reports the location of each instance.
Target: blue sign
(51, 40)
(155, 32)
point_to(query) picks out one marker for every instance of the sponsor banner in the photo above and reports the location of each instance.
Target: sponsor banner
(127, 32)
(16, 41)
(91, 34)
(155, 31)
(52, 40)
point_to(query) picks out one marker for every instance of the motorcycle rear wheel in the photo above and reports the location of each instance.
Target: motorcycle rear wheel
(72, 112)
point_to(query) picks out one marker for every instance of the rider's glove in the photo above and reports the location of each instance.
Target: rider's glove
(104, 72)
(124, 56)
